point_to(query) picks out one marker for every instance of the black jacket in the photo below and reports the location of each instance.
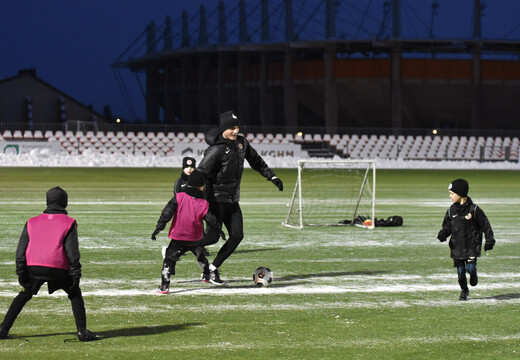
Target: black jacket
(180, 184)
(465, 224)
(70, 244)
(223, 164)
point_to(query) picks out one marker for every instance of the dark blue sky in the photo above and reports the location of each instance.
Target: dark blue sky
(72, 44)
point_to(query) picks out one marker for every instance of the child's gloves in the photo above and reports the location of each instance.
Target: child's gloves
(155, 233)
(489, 244)
(277, 182)
(441, 236)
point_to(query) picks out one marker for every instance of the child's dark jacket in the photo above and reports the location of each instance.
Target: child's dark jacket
(465, 224)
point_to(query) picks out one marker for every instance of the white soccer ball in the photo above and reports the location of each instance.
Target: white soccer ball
(263, 276)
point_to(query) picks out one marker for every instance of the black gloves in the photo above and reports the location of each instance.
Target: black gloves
(155, 233)
(489, 244)
(441, 236)
(23, 280)
(277, 182)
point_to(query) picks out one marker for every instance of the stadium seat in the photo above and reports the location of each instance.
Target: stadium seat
(101, 137)
(48, 134)
(130, 136)
(191, 136)
(17, 134)
(38, 134)
(171, 136)
(155, 140)
(120, 135)
(180, 136)
(7, 134)
(28, 134)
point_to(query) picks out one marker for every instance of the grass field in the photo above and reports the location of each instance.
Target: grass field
(338, 293)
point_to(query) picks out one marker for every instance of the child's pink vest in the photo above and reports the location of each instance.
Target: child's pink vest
(46, 235)
(187, 221)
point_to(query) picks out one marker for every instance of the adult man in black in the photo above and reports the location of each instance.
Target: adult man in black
(223, 164)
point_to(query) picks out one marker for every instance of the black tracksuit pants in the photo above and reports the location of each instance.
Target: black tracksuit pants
(65, 283)
(229, 215)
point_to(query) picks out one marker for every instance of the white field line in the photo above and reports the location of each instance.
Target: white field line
(282, 288)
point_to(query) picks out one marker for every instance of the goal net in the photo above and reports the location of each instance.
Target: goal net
(330, 193)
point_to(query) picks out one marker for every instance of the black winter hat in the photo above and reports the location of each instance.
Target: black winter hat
(228, 120)
(188, 162)
(196, 179)
(57, 196)
(459, 187)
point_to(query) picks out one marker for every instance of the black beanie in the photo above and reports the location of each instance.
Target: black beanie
(57, 196)
(228, 120)
(196, 179)
(459, 187)
(188, 162)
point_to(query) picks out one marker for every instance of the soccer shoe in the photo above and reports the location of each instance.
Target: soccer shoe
(205, 277)
(214, 278)
(164, 289)
(473, 278)
(464, 295)
(87, 335)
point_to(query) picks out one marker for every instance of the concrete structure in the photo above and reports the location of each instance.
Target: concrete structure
(389, 82)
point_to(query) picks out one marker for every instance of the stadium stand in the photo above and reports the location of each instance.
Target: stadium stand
(430, 148)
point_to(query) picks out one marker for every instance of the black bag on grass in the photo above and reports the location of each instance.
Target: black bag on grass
(395, 220)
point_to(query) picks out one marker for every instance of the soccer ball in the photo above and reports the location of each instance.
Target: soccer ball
(263, 276)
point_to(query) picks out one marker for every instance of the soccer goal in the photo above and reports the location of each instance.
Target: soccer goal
(331, 193)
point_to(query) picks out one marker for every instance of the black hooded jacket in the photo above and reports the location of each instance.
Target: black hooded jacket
(223, 165)
(465, 224)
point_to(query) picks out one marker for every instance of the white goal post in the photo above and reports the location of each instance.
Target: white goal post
(332, 193)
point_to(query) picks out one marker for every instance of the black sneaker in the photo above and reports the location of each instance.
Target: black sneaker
(87, 335)
(464, 295)
(164, 289)
(214, 278)
(205, 277)
(473, 278)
